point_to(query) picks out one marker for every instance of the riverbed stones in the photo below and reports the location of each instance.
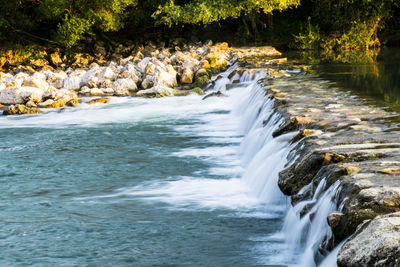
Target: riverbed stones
(125, 84)
(376, 242)
(21, 110)
(20, 95)
(102, 100)
(130, 71)
(188, 69)
(160, 91)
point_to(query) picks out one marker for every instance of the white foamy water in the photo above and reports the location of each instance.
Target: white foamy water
(305, 233)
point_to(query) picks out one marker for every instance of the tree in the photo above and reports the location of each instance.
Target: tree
(79, 17)
(208, 11)
(351, 24)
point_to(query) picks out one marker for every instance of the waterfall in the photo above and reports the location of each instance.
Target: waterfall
(263, 157)
(305, 233)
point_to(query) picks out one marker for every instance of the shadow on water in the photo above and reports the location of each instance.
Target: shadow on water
(372, 75)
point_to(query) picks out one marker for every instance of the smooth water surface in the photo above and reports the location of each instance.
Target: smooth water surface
(376, 78)
(136, 182)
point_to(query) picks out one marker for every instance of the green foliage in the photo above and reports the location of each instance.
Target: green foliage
(331, 24)
(208, 11)
(351, 24)
(360, 36)
(308, 38)
(71, 30)
(80, 18)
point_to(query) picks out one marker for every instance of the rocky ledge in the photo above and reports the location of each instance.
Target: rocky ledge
(342, 138)
(146, 72)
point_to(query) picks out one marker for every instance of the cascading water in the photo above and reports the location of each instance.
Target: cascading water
(305, 233)
(222, 164)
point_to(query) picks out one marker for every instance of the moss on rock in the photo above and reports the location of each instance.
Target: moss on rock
(99, 100)
(21, 109)
(197, 90)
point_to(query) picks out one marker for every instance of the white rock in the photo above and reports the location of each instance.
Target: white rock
(96, 91)
(14, 82)
(36, 82)
(85, 90)
(159, 91)
(189, 67)
(375, 243)
(125, 84)
(123, 92)
(22, 76)
(107, 73)
(72, 83)
(147, 82)
(165, 75)
(130, 71)
(56, 79)
(20, 95)
(77, 73)
(46, 103)
(87, 77)
(4, 76)
(143, 63)
(105, 83)
(50, 92)
(108, 91)
(65, 95)
(39, 76)
(150, 68)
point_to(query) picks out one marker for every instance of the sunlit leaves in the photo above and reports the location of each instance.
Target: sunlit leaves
(208, 11)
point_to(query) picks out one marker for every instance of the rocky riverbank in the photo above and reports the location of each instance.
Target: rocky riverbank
(341, 138)
(147, 71)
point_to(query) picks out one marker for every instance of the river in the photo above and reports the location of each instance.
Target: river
(151, 182)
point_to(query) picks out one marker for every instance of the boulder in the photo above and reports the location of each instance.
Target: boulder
(160, 91)
(188, 69)
(130, 71)
(99, 100)
(46, 103)
(20, 95)
(56, 58)
(125, 84)
(72, 83)
(20, 110)
(150, 68)
(89, 78)
(40, 62)
(165, 75)
(107, 73)
(143, 63)
(108, 91)
(197, 90)
(38, 83)
(375, 243)
(85, 90)
(96, 92)
(147, 82)
(104, 83)
(56, 79)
